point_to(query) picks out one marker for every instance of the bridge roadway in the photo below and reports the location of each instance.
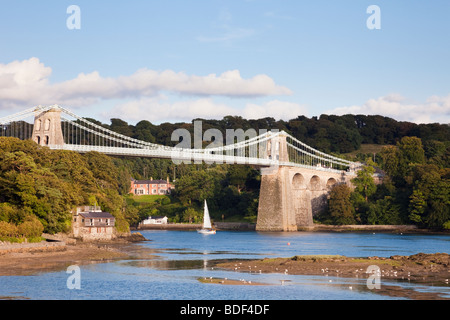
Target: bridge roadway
(190, 155)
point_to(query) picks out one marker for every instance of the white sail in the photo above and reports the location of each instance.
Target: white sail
(206, 218)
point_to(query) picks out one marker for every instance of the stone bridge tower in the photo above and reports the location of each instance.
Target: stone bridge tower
(47, 128)
(290, 196)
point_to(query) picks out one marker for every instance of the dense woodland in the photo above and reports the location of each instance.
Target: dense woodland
(39, 187)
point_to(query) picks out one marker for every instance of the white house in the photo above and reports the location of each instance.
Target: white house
(155, 220)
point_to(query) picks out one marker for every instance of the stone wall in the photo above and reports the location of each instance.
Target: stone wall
(6, 247)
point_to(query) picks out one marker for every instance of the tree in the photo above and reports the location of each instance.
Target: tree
(120, 126)
(430, 200)
(237, 176)
(191, 215)
(411, 150)
(417, 207)
(364, 183)
(391, 160)
(143, 131)
(339, 205)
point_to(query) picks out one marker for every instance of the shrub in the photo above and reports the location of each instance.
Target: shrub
(31, 228)
(8, 230)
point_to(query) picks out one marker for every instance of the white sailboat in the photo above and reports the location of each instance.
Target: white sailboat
(207, 227)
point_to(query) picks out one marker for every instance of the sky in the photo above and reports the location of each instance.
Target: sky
(177, 60)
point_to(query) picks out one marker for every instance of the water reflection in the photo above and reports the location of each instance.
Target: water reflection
(167, 264)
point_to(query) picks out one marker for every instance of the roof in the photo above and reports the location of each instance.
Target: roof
(149, 181)
(97, 215)
(157, 218)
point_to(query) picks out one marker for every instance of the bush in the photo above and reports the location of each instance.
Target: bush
(31, 228)
(447, 225)
(8, 230)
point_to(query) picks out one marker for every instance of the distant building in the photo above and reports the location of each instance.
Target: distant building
(90, 223)
(151, 187)
(154, 220)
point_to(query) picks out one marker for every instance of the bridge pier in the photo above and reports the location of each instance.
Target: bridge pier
(291, 196)
(275, 211)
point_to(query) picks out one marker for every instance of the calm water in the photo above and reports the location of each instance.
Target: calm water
(169, 266)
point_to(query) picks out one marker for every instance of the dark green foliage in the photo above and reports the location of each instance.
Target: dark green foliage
(416, 189)
(339, 205)
(37, 183)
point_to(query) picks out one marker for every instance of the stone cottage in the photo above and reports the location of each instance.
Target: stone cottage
(90, 223)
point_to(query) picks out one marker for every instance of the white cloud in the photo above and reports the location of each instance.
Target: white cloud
(26, 83)
(277, 109)
(159, 110)
(434, 109)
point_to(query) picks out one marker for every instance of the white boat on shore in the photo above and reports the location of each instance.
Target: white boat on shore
(207, 227)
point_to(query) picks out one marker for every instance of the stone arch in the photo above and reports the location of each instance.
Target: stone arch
(298, 182)
(314, 184)
(38, 125)
(47, 140)
(331, 183)
(38, 140)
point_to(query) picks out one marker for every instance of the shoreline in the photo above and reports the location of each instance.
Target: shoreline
(244, 226)
(25, 263)
(47, 256)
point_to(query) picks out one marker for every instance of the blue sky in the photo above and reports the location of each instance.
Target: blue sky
(178, 60)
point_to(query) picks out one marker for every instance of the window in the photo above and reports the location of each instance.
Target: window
(154, 191)
(47, 125)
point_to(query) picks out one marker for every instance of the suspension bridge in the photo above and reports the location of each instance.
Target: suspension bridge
(296, 178)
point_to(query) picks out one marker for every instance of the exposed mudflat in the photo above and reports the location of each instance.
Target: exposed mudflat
(426, 269)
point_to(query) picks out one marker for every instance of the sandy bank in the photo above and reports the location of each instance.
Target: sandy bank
(31, 258)
(426, 269)
(17, 263)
